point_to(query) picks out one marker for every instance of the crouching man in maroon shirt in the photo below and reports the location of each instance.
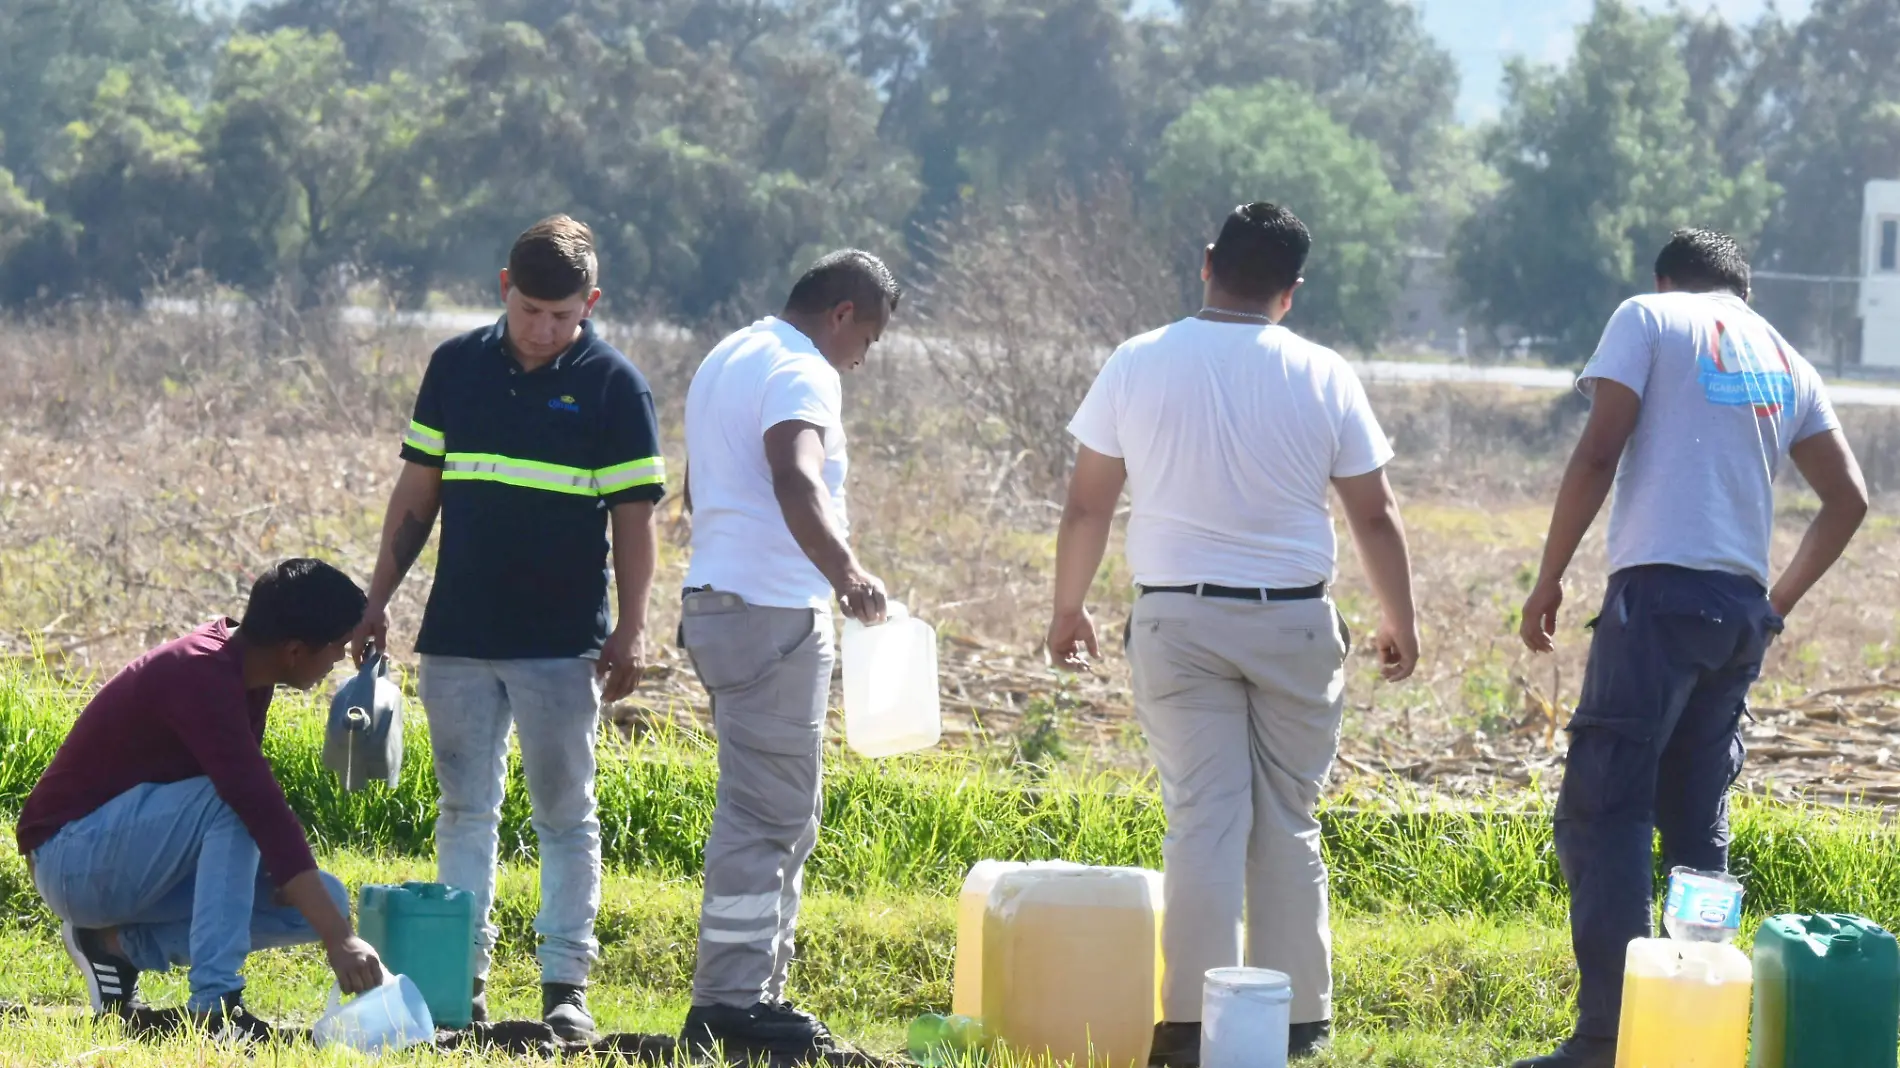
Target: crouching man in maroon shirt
(159, 835)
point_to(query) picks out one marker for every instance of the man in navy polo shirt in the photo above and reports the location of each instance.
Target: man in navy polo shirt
(530, 437)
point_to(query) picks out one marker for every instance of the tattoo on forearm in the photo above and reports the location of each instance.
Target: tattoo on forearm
(411, 536)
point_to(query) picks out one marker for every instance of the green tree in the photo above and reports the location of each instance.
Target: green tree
(53, 52)
(1371, 62)
(1276, 142)
(130, 185)
(1831, 114)
(703, 178)
(1599, 161)
(1018, 98)
(23, 226)
(309, 171)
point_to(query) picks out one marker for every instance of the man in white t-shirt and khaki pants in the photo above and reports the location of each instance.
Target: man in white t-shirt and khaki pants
(1695, 402)
(1227, 430)
(765, 454)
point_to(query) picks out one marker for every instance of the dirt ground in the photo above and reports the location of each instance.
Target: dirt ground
(132, 510)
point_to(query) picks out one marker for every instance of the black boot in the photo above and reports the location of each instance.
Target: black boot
(564, 1010)
(1579, 1052)
(1176, 1045)
(478, 1007)
(770, 1027)
(1309, 1039)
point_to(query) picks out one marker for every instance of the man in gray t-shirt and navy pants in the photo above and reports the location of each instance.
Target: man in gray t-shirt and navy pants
(1695, 402)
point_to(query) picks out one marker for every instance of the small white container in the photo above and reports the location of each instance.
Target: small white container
(1245, 1016)
(391, 1017)
(890, 685)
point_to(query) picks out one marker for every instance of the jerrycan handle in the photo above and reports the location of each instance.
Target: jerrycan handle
(335, 1001)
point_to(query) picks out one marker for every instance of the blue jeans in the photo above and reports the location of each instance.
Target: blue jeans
(1655, 745)
(553, 707)
(173, 868)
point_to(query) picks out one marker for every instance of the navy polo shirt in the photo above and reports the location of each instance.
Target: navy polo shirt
(531, 462)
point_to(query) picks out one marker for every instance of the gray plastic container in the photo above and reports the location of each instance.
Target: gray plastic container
(362, 741)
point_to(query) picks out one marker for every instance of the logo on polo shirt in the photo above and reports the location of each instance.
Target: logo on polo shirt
(564, 404)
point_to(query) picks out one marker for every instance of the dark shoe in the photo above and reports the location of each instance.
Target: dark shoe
(1176, 1045)
(1579, 1052)
(478, 1007)
(773, 1027)
(234, 1024)
(564, 1010)
(112, 984)
(1309, 1039)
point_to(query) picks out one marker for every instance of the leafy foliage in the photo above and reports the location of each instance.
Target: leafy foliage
(1600, 160)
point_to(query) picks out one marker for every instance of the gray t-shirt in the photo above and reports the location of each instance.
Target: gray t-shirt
(1724, 396)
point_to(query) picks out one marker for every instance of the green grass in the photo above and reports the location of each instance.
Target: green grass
(1421, 990)
(1449, 922)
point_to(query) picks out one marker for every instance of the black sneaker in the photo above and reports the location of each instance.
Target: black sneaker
(1309, 1039)
(564, 1010)
(234, 1024)
(112, 984)
(478, 1007)
(772, 1027)
(1176, 1045)
(1579, 1052)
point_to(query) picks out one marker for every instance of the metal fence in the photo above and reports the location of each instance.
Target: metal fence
(1819, 313)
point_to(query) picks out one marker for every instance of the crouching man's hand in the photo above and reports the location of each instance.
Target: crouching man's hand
(357, 967)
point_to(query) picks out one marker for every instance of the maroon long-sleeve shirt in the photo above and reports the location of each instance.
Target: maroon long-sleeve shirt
(176, 713)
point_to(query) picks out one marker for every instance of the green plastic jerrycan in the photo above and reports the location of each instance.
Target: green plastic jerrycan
(426, 931)
(1827, 994)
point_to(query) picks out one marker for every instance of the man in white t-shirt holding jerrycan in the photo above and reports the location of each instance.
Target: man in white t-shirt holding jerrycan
(1695, 402)
(1228, 430)
(765, 454)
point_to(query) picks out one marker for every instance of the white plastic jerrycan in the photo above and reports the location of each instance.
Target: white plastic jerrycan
(890, 685)
(392, 1016)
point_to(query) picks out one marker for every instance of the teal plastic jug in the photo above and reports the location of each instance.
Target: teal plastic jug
(1827, 994)
(426, 931)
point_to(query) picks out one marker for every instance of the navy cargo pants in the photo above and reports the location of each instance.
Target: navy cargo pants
(1654, 746)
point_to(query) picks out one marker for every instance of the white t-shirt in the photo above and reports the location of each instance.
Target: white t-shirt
(1231, 434)
(766, 374)
(1724, 396)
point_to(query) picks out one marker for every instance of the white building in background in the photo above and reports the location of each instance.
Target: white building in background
(1880, 276)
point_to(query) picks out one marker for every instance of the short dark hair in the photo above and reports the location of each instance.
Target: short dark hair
(1703, 261)
(302, 600)
(1261, 250)
(554, 260)
(847, 274)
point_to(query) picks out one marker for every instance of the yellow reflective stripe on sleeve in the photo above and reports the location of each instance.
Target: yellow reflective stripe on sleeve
(424, 439)
(648, 472)
(528, 474)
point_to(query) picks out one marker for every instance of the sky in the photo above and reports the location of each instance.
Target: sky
(1483, 34)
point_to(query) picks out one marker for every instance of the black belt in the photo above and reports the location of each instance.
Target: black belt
(1242, 593)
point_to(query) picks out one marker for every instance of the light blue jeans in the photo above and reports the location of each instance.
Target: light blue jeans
(554, 708)
(172, 867)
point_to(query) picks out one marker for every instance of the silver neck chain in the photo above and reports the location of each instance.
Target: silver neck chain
(1259, 316)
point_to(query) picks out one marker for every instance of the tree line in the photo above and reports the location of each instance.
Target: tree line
(292, 148)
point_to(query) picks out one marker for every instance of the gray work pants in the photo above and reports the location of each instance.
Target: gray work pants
(768, 671)
(1241, 702)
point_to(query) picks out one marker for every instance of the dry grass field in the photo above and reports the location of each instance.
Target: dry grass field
(150, 465)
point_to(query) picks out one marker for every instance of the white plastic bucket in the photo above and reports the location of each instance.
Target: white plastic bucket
(392, 1016)
(1245, 1016)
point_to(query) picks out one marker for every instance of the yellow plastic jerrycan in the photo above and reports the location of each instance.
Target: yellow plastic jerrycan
(1069, 964)
(1685, 1005)
(967, 987)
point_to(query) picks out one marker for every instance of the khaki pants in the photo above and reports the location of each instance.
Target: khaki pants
(769, 673)
(1241, 702)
